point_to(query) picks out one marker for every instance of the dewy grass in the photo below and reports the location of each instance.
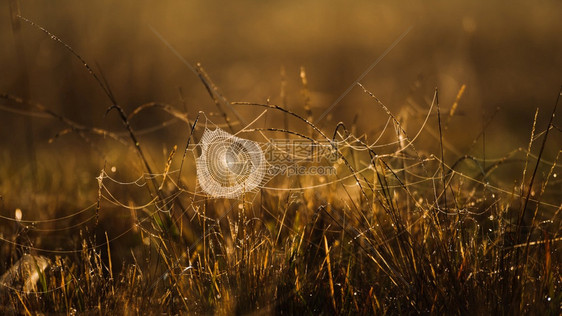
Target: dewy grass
(398, 229)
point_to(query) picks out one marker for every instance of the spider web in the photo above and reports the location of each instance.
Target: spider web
(229, 166)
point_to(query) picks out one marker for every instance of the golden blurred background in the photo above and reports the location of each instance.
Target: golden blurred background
(508, 54)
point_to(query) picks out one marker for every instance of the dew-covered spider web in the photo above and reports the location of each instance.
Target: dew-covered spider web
(233, 163)
(229, 165)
